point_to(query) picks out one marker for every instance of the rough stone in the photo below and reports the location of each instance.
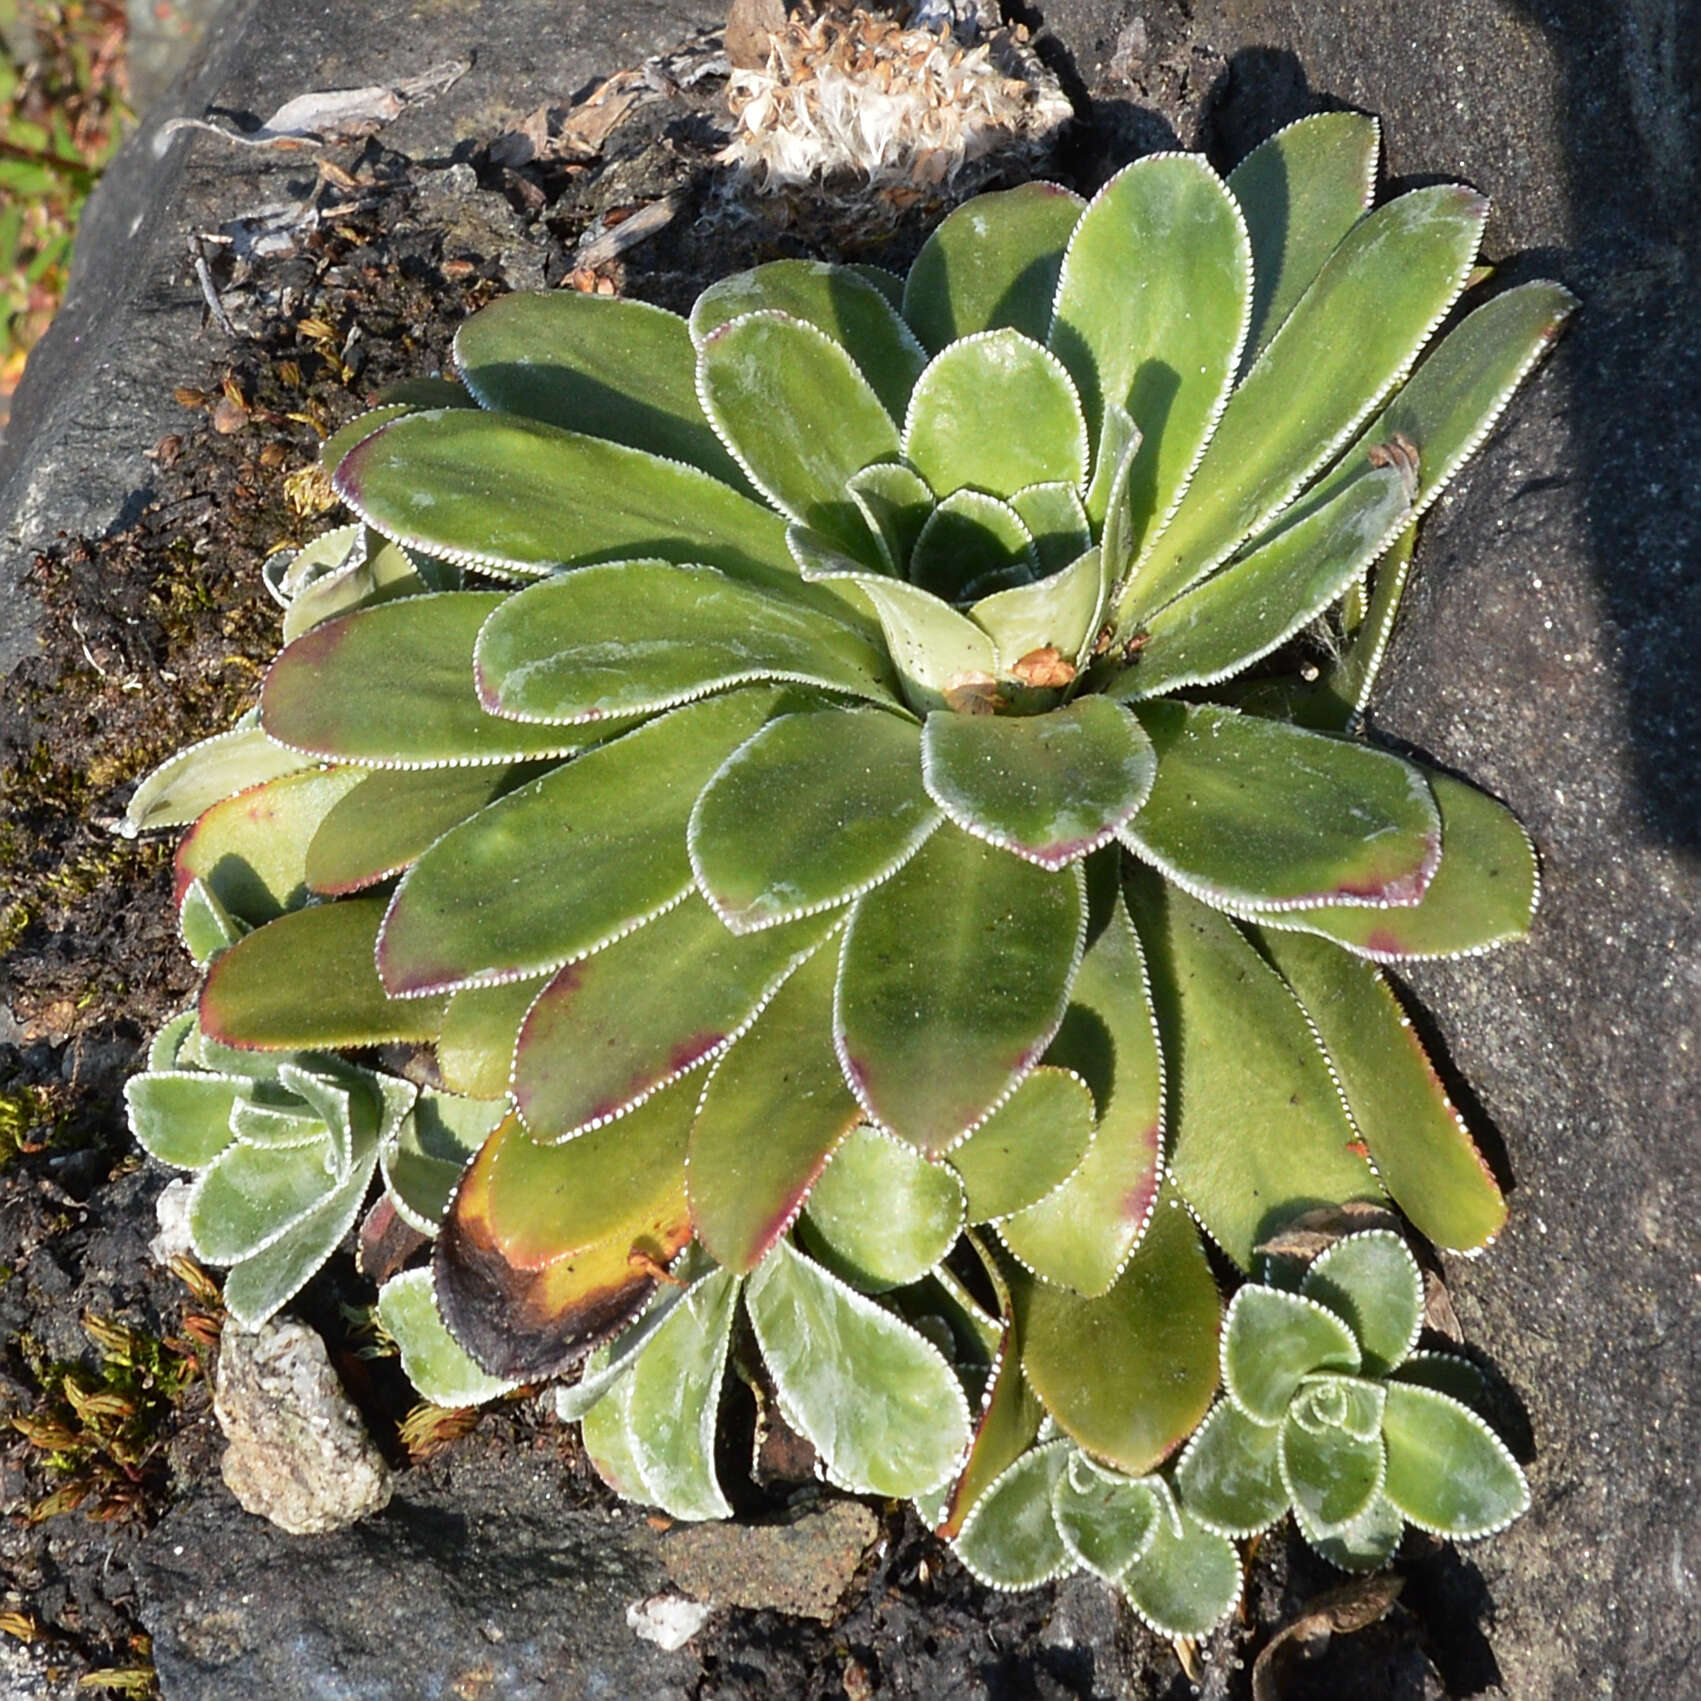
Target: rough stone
(298, 1454)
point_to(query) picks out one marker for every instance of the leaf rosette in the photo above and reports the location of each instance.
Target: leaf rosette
(835, 775)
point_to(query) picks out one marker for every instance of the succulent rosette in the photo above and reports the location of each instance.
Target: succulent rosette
(833, 774)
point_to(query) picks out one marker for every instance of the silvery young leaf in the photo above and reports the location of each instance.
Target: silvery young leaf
(1057, 519)
(1062, 611)
(1331, 1475)
(875, 1399)
(392, 687)
(881, 1213)
(423, 1160)
(307, 981)
(185, 785)
(1301, 192)
(1028, 1147)
(1008, 1422)
(1154, 325)
(1272, 1341)
(1258, 1130)
(1453, 400)
(431, 1359)
(1049, 788)
(1366, 1544)
(578, 360)
(496, 491)
(259, 1285)
(774, 1108)
(799, 415)
(1228, 1476)
(255, 1123)
(996, 411)
(1420, 1145)
(183, 1118)
(969, 542)
(1483, 894)
(475, 1050)
(933, 647)
(1130, 1373)
(1081, 1236)
(249, 1197)
(541, 1316)
(1248, 812)
(674, 1399)
(1107, 1520)
(839, 302)
(375, 571)
(1350, 338)
(604, 837)
(1113, 462)
(1187, 1581)
(612, 1363)
(1256, 604)
(952, 982)
(1448, 1472)
(632, 637)
(1446, 1373)
(895, 501)
(610, 1030)
(810, 812)
(1010, 1538)
(166, 1047)
(608, 1441)
(392, 817)
(250, 851)
(206, 925)
(1372, 1283)
(992, 262)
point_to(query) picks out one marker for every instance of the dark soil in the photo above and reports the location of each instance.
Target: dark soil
(157, 635)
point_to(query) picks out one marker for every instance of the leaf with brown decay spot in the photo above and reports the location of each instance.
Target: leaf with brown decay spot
(1045, 668)
(1312, 1232)
(973, 693)
(1353, 1606)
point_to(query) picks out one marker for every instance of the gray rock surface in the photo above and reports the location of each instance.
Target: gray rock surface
(298, 1453)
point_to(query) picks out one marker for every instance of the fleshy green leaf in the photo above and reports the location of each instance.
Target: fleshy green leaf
(1228, 1477)
(1351, 337)
(519, 1285)
(603, 836)
(1009, 1420)
(883, 1214)
(633, 637)
(392, 817)
(422, 1162)
(1301, 192)
(838, 301)
(1028, 1147)
(1107, 1521)
(1446, 1373)
(952, 983)
(1155, 324)
(250, 852)
(1056, 518)
(307, 981)
(811, 812)
(1061, 611)
(1423, 1152)
(992, 262)
(608, 1441)
(206, 925)
(1272, 1341)
(393, 687)
(799, 415)
(1447, 1470)
(1010, 1538)
(969, 544)
(1366, 1544)
(475, 1050)
(1081, 1236)
(1256, 604)
(1259, 1133)
(674, 1400)
(1187, 1581)
(575, 360)
(1331, 1475)
(1129, 1374)
(1247, 812)
(775, 1107)
(615, 1027)
(431, 1359)
(183, 1118)
(497, 491)
(251, 1196)
(1050, 788)
(200, 775)
(895, 501)
(996, 411)
(876, 1400)
(1371, 1282)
